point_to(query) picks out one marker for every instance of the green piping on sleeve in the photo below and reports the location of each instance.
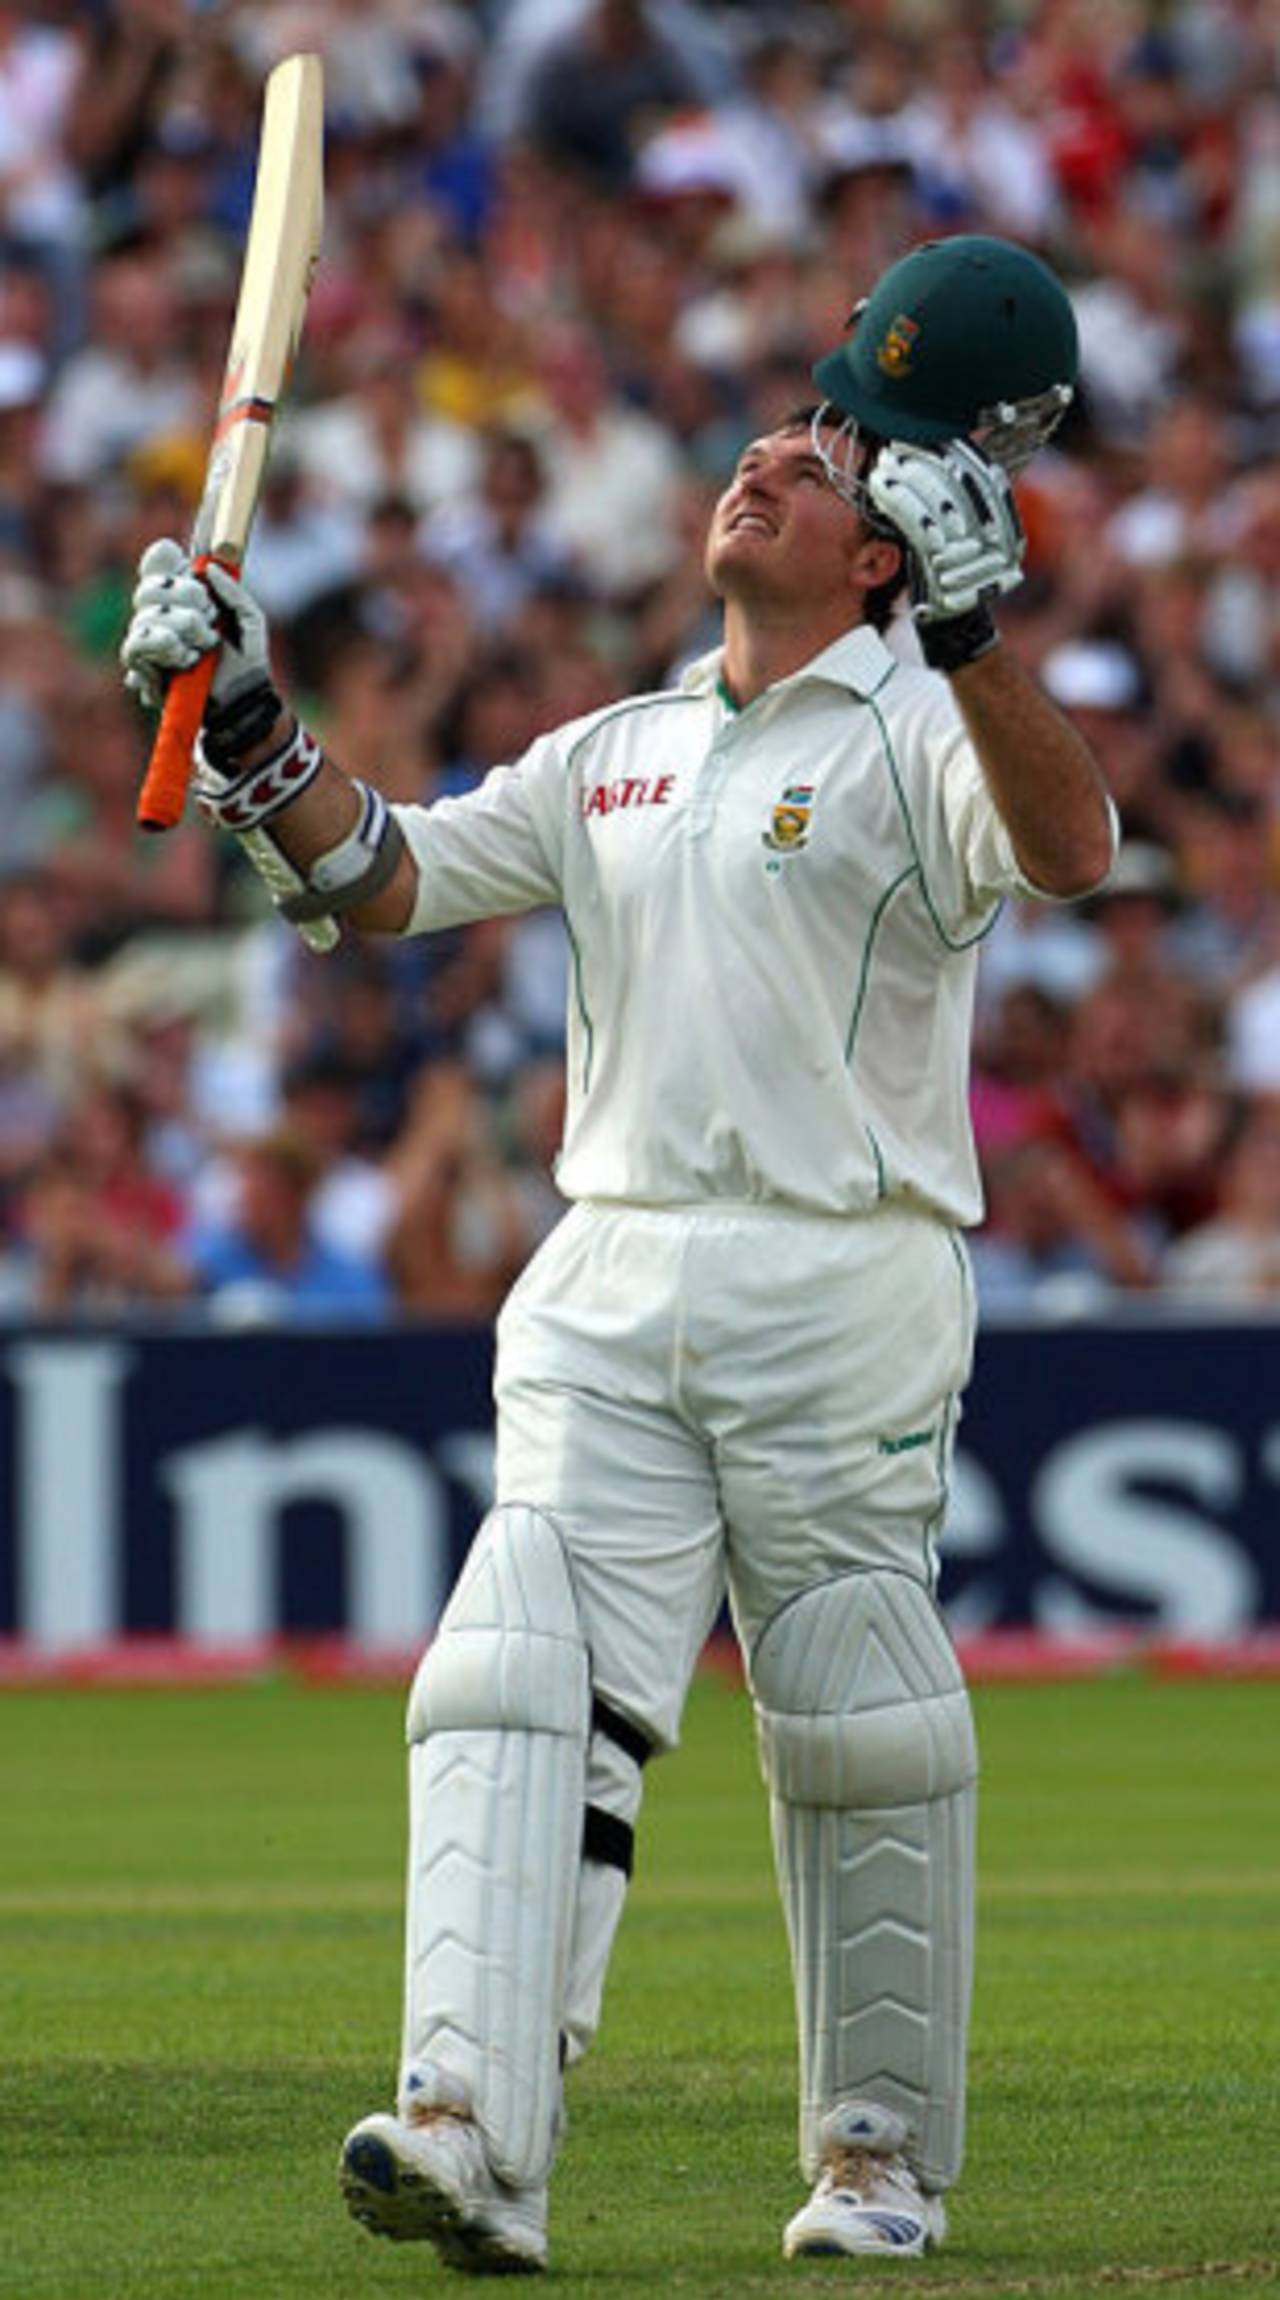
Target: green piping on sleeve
(912, 870)
(966, 942)
(583, 1011)
(619, 710)
(937, 1519)
(935, 1523)
(882, 1183)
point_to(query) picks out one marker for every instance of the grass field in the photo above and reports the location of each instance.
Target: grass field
(199, 1991)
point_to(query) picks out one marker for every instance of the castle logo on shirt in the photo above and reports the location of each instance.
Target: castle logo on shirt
(789, 824)
(627, 791)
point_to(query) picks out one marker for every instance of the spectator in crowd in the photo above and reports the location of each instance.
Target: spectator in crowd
(1020, 1055)
(612, 474)
(266, 1259)
(69, 1263)
(461, 1231)
(354, 1197)
(374, 440)
(373, 1024)
(37, 667)
(127, 383)
(1054, 1239)
(41, 190)
(1127, 1038)
(1134, 915)
(1232, 1259)
(978, 164)
(54, 1018)
(115, 884)
(477, 367)
(1227, 932)
(1134, 327)
(306, 542)
(595, 88)
(1185, 507)
(499, 543)
(96, 1229)
(105, 1136)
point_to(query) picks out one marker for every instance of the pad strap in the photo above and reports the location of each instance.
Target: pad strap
(620, 1730)
(354, 871)
(608, 1840)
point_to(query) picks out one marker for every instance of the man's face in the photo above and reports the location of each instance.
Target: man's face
(780, 532)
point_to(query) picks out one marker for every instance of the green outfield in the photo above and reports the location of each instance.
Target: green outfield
(199, 1991)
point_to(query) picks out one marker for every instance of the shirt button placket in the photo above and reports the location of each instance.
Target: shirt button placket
(706, 789)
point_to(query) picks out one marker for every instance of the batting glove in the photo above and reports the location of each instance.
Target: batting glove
(178, 617)
(954, 509)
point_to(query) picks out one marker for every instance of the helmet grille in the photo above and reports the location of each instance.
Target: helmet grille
(1014, 430)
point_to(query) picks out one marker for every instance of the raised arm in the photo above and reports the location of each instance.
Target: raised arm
(327, 845)
(1042, 776)
(954, 509)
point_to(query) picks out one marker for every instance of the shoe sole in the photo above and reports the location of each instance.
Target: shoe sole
(396, 2200)
(886, 2236)
(826, 2248)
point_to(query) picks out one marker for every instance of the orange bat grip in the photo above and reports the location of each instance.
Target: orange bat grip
(164, 789)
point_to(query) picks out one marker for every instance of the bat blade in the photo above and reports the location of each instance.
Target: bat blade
(280, 257)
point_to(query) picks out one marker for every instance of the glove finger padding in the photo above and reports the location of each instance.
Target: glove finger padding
(172, 622)
(954, 509)
(164, 557)
(178, 615)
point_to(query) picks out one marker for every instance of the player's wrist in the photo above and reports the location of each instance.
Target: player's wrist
(246, 727)
(251, 790)
(950, 642)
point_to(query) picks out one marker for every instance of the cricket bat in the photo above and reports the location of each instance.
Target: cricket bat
(280, 257)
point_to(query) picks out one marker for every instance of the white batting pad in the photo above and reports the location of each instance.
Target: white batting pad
(497, 1727)
(866, 1742)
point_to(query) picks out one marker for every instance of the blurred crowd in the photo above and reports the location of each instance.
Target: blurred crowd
(577, 252)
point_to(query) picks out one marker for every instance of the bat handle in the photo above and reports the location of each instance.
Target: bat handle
(164, 789)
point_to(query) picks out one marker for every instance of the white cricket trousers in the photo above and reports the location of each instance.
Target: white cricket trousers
(736, 1398)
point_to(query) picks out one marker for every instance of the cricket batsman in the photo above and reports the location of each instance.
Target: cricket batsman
(737, 1364)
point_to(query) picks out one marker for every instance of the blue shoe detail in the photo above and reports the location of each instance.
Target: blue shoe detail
(371, 2161)
(895, 2227)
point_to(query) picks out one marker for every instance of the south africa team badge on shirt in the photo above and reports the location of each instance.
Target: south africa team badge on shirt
(789, 824)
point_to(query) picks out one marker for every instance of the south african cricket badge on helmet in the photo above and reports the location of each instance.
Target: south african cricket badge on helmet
(788, 828)
(893, 352)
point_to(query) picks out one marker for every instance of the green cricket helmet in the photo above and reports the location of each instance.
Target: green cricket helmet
(967, 337)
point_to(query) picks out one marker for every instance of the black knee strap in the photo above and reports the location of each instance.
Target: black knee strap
(608, 1840)
(620, 1730)
(605, 1838)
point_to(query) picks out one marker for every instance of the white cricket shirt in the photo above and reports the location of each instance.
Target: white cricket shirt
(774, 915)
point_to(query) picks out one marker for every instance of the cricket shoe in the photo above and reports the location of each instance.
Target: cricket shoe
(867, 2199)
(431, 2180)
